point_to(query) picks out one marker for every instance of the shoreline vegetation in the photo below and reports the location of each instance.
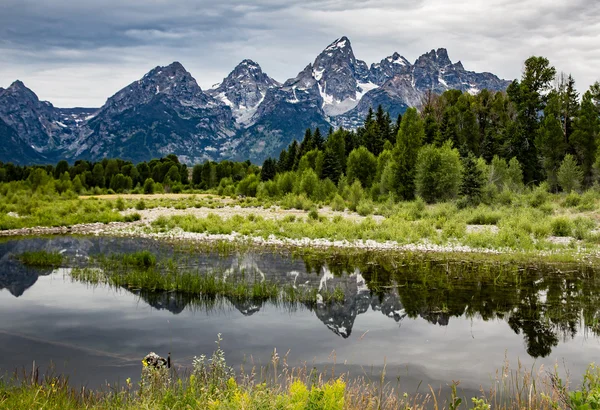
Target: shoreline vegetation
(534, 224)
(213, 384)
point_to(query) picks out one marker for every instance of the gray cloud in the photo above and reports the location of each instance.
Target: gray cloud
(80, 52)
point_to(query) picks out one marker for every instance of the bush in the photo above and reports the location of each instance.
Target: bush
(539, 196)
(248, 185)
(313, 214)
(120, 204)
(140, 205)
(133, 217)
(365, 207)
(572, 200)
(338, 203)
(483, 216)
(562, 226)
(355, 195)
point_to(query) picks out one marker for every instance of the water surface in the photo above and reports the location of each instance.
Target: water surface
(424, 332)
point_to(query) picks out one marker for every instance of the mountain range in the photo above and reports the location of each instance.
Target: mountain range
(249, 115)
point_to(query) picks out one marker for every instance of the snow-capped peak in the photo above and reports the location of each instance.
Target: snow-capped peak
(340, 43)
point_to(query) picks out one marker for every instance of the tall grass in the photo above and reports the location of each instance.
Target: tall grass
(212, 384)
(41, 259)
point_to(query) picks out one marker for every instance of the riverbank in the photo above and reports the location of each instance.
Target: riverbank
(557, 228)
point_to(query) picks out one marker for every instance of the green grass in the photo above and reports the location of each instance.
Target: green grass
(41, 259)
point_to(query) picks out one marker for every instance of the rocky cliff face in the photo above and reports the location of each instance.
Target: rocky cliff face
(243, 90)
(164, 112)
(247, 116)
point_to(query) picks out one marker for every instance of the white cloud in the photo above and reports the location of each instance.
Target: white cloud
(79, 53)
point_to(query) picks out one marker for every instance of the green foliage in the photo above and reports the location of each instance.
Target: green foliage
(149, 186)
(569, 174)
(410, 137)
(562, 226)
(438, 173)
(365, 207)
(248, 185)
(361, 166)
(338, 203)
(41, 259)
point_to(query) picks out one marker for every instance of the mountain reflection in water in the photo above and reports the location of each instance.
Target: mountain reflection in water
(545, 306)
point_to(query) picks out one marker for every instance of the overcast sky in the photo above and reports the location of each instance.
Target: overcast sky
(80, 52)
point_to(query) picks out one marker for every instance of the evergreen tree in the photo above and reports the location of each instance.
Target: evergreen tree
(569, 106)
(332, 168)
(269, 169)
(61, 168)
(529, 98)
(472, 180)
(318, 140)
(550, 140)
(585, 136)
(292, 156)
(307, 144)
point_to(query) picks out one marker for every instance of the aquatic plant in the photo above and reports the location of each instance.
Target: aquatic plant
(41, 259)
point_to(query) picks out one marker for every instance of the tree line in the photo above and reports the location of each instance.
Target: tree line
(457, 145)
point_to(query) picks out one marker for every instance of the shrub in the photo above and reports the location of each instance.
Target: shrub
(133, 217)
(140, 205)
(248, 185)
(120, 204)
(309, 182)
(313, 214)
(338, 203)
(539, 196)
(365, 207)
(483, 216)
(355, 194)
(562, 226)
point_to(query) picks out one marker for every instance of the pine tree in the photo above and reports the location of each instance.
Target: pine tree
(569, 106)
(585, 135)
(268, 170)
(318, 140)
(332, 168)
(529, 98)
(550, 140)
(472, 180)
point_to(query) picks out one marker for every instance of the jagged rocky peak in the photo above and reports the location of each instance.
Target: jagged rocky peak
(388, 68)
(244, 89)
(173, 81)
(342, 79)
(437, 57)
(19, 91)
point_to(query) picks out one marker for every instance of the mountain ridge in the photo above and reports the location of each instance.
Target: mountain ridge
(248, 115)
